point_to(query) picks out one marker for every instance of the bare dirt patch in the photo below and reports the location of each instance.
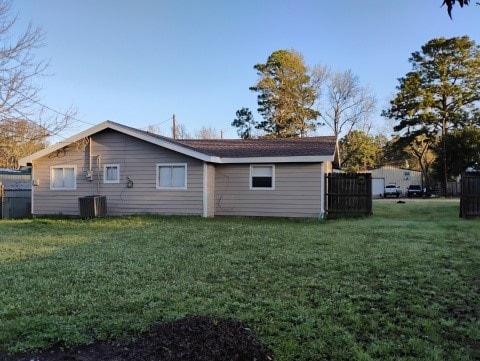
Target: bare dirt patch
(196, 338)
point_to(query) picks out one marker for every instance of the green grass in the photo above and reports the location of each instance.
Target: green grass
(400, 285)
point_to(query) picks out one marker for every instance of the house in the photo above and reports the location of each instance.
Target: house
(139, 172)
(388, 174)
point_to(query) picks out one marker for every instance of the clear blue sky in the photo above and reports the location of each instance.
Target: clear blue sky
(137, 62)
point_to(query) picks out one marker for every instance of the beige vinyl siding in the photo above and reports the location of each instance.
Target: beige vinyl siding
(137, 160)
(297, 191)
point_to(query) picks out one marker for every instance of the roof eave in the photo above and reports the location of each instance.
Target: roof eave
(279, 159)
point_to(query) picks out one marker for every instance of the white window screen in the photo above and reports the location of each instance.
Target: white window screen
(63, 178)
(165, 177)
(57, 178)
(262, 171)
(171, 176)
(178, 177)
(111, 173)
(68, 177)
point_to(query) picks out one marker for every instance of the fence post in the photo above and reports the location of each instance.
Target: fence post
(470, 195)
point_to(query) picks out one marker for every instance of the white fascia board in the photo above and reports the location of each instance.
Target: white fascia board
(251, 160)
(64, 143)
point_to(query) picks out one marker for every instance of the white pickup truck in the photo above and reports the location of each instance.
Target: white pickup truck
(392, 190)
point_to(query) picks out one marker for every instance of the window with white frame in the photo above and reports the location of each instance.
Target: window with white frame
(63, 177)
(262, 177)
(111, 173)
(171, 176)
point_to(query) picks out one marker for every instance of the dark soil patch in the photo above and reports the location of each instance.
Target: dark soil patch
(197, 338)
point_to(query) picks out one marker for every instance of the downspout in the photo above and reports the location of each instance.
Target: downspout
(205, 190)
(90, 174)
(34, 184)
(321, 215)
(98, 173)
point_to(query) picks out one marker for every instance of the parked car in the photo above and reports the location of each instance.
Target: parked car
(414, 190)
(392, 190)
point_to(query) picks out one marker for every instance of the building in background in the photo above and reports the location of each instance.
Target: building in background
(389, 175)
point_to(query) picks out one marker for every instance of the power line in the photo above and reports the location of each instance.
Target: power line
(156, 124)
(35, 101)
(46, 106)
(25, 96)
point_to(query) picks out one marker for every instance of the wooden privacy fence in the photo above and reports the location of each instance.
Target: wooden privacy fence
(2, 193)
(348, 194)
(15, 203)
(470, 195)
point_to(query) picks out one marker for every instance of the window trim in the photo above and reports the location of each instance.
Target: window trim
(185, 177)
(105, 180)
(252, 167)
(74, 167)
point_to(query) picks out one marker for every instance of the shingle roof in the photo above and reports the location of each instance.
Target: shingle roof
(264, 147)
(261, 147)
(16, 185)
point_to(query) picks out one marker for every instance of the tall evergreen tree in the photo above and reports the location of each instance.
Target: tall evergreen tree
(442, 92)
(285, 96)
(245, 123)
(463, 147)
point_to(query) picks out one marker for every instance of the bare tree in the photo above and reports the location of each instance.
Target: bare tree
(180, 131)
(318, 77)
(208, 133)
(19, 94)
(154, 129)
(19, 138)
(345, 104)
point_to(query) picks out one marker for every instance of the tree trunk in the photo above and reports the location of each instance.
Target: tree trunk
(444, 160)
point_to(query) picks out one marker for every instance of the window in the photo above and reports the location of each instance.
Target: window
(262, 177)
(111, 173)
(171, 176)
(63, 177)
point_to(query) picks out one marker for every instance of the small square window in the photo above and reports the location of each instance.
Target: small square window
(111, 173)
(262, 177)
(63, 177)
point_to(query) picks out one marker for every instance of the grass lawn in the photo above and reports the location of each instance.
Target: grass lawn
(400, 285)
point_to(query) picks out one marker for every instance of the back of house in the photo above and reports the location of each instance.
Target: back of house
(138, 172)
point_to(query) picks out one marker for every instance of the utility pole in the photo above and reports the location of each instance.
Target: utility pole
(174, 127)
